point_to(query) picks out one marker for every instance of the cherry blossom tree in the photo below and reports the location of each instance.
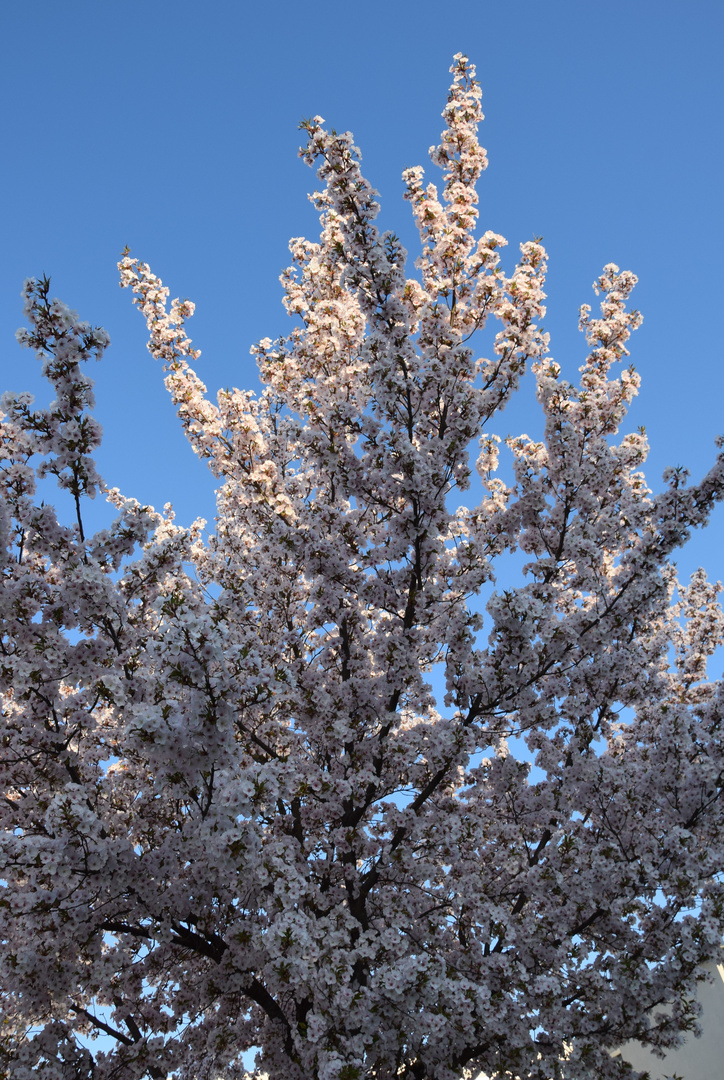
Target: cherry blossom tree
(235, 815)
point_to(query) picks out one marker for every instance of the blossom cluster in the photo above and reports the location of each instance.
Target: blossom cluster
(236, 816)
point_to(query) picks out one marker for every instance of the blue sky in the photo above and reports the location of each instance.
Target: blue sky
(172, 127)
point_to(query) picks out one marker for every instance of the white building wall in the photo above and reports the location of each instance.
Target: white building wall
(697, 1059)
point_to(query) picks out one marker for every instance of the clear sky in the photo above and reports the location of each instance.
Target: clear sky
(172, 127)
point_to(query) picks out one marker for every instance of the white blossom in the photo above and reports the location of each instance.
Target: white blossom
(234, 814)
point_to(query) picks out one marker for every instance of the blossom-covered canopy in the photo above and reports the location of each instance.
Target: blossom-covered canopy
(234, 813)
